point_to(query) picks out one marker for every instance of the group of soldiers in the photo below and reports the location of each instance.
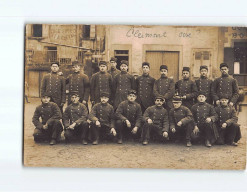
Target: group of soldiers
(142, 108)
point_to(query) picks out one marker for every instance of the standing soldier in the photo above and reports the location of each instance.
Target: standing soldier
(75, 120)
(78, 82)
(50, 127)
(186, 88)
(181, 121)
(122, 83)
(128, 117)
(165, 87)
(54, 85)
(227, 125)
(144, 85)
(156, 120)
(113, 71)
(102, 117)
(204, 117)
(225, 85)
(100, 82)
(204, 84)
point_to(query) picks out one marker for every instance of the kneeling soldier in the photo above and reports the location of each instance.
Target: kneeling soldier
(102, 117)
(181, 121)
(129, 117)
(156, 120)
(75, 120)
(227, 125)
(204, 117)
(50, 128)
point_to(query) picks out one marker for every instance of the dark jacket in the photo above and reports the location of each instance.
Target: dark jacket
(129, 111)
(227, 114)
(205, 85)
(113, 72)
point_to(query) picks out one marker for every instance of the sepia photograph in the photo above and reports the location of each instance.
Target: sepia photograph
(135, 96)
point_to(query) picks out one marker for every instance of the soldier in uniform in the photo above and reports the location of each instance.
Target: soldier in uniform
(165, 87)
(204, 84)
(53, 84)
(229, 130)
(181, 121)
(225, 85)
(100, 82)
(128, 117)
(75, 120)
(156, 121)
(122, 83)
(102, 117)
(204, 117)
(113, 71)
(186, 88)
(144, 86)
(50, 127)
(78, 82)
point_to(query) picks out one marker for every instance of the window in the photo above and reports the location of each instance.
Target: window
(51, 54)
(37, 30)
(86, 31)
(121, 55)
(240, 57)
(200, 57)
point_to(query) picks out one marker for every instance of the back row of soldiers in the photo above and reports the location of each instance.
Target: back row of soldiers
(116, 87)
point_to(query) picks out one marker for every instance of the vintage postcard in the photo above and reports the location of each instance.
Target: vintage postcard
(135, 96)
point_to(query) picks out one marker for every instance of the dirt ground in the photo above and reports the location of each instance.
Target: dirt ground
(131, 155)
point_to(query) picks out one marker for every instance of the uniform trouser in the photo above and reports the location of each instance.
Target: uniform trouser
(151, 128)
(100, 133)
(124, 132)
(206, 131)
(229, 134)
(53, 132)
(80, 132)
(184, 131)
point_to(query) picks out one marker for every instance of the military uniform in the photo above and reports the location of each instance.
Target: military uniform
(130, 111)
(104, 113)
(78, 82)
(188, 88)
(227, 114)
(76, 113)
(100, 82)
(50, 114)
(184, 115)
(160, 124)
(165, 87)
(201, 111)
(122, 83)
(54, 85)
(114, 72)
(204, 85)
(144, 86)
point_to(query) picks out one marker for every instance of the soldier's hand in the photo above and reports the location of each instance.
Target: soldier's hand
(45, 126)
(196, 130)
(150, 121)
(60, 73)
(173, 130)
(97, 123)
(224, 125)
(92, 102)
(84, 102)
(128, 123)
(184, 97)
(218, 102)
(179, 124)
(208, 120)
(88, 121)
(165, 134)
(72, 126)
(113, 132)
(134, 130)
(231, 104)
(62, 104)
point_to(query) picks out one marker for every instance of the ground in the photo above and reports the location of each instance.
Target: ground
(131, 155)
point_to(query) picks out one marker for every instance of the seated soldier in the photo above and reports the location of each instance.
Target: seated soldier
(204, 117)
(102, 117)
(75, 120)
(156, 120)
(181, 121)
(128, 117)
(229, 130)
(50, 128)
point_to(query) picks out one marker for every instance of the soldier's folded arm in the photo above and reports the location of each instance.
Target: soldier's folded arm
(56, 113)
(35, 119)
(119, 112)
(83, 117)
(188, 118)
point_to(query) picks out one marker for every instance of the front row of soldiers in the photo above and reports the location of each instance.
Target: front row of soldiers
(202, 122)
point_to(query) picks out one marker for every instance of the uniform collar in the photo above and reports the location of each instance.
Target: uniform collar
(201, 103)
(203, 77)
(102, 72)
(163, 77)
(158, 107)
(225, 75)
(145, 75)
(123, 72)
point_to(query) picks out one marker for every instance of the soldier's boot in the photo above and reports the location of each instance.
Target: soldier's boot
(120, 141)
(53, 142)
(145, 142)
(188, 144)
(95, 142)
(84, 142)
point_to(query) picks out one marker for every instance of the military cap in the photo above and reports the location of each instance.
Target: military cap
(176, 99)
(46, 94)
(186, 69)
(105, 94)
(224, 96)
(132, 92)
(76, 93)
(124, 62)
(75, 63)
(159, 97)
(102, 62)
(164, 67)
(201, 93)
(55, 63)
(113, 59)
(223, 65)
(203, 67)
(146, 64)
